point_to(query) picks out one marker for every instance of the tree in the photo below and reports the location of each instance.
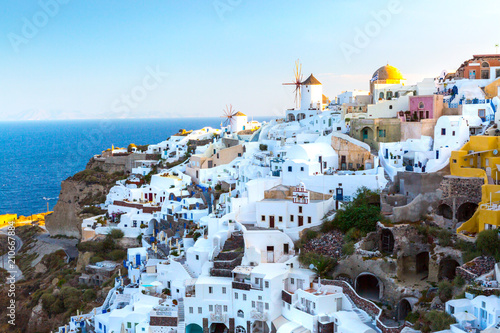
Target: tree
(359, 213)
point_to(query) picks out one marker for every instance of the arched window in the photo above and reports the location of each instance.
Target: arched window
(381, 95)
(396, 94)
(241, 314)
(240, 329)
(485, 64)
(421, 105)
(389, 94)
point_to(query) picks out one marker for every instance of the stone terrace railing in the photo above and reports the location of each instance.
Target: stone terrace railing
(365, 305)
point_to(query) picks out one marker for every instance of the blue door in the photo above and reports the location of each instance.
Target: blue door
(138, 262)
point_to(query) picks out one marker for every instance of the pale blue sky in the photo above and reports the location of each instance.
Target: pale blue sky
(85, 57)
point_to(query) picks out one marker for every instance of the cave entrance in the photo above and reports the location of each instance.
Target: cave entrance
(465, 211)
(447, 269)
(387, 239)
(422, 263)
(445, 211)
(368, 286)
(404, 308)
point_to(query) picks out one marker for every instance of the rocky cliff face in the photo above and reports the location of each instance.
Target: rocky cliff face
(86, 188)
(66, 219)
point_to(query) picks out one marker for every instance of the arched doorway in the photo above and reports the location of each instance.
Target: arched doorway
(366, 134)
(447, 269)
(218, 328)
(404, 307)
(422, 263)
(387, 241)
(368, 286)
(465, 211)
(291, 117)
(445, 211)
(194, 328)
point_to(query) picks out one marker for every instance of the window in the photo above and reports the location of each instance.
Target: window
(240, 329)
(481, 113)
(223, 290)
(266, 283)
(260, 298)
(129, 325)
(210, 290)
(190, 309)
(300, 209)
(390, 107)
(454, 161)
(421, 105)
(239, 154)
(289, 169)
(443, 131)
(453, 133)
(199, 310)
(241, 314)
(292, 280)
(253, 304)
(309, 219)
(235, 295)
(497, 72)
(301, 168)
(225, 308)
(211, 308)
(291, 218)
(280, 218)
(263, 217)
(483, 304)
(267, 306)
(381, 133)
(197, 257)
(244, 297)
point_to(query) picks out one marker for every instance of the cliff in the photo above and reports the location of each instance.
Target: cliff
(82, 191)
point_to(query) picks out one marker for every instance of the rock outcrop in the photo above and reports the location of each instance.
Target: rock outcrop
(86, 188)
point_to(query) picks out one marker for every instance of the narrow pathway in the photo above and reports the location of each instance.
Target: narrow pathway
(4, 260)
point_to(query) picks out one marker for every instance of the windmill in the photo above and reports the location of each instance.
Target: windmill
(229, 114)
(298, 82)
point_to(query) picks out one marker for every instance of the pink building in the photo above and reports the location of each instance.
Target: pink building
(423, 107)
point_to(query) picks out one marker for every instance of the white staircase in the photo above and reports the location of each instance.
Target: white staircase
(191, 274)
(181, 324)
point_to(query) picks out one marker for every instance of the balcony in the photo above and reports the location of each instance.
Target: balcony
(258, 315)
(218, 317)
(241, 285)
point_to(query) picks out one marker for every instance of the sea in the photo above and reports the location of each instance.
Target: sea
(35, 156)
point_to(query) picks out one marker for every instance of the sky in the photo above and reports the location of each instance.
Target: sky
(89, 59)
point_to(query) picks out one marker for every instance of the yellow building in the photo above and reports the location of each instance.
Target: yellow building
(480, 157)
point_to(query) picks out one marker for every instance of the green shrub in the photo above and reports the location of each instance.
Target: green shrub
(89, 295)
(348, 248)
(438, 321)
(359, 213)
(458, 281)
(488, 242)
(445, 291)
(117, 255)
(444, 237)
(353, 235)
(95, 259)
(116, 233)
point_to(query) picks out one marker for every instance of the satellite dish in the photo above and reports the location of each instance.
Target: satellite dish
(311, 266)
(495, 152)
